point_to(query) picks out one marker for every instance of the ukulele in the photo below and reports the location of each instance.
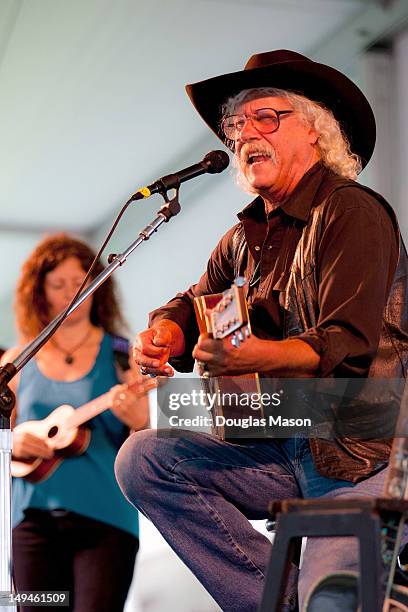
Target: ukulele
(65, 434)
(225, 315)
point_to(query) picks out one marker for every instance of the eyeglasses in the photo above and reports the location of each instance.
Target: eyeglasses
(265, 120)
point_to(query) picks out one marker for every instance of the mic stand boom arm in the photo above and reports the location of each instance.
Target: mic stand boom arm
(7, 400)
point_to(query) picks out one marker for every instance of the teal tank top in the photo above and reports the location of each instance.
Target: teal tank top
(85, 484)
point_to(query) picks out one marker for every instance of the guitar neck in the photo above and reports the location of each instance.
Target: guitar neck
(90, 410)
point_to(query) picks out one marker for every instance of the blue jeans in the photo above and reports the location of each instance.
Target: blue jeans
(199, 492)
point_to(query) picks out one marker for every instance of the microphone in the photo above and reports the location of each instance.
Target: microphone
(213, 163)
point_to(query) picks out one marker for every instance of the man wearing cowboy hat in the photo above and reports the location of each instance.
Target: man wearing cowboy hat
(328, 283)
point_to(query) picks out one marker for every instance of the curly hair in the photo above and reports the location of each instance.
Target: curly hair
(332, 143)
(31, 307)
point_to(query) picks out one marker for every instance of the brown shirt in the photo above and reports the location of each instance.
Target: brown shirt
(357, 259)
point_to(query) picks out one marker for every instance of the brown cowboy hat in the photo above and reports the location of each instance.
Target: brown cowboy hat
(292, 71)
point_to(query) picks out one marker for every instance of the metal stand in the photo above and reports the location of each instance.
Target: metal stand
(5, 510)
(371, 521)
(7, 401)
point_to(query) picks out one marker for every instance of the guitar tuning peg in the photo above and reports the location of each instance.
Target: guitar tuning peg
(240, 281)
(235, 341)
(240, 335)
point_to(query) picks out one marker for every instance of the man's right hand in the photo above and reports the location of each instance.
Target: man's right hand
(154, 346)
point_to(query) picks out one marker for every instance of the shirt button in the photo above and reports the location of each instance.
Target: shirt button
(257, 248)
(269, 247)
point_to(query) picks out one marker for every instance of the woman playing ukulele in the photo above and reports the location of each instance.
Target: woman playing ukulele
(73, 531)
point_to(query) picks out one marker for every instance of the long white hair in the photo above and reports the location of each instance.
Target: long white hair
(332, 143)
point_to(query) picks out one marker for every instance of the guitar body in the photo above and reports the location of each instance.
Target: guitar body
(225, 315)
(66, 441)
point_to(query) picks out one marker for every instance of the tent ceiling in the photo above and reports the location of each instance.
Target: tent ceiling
(92, 102)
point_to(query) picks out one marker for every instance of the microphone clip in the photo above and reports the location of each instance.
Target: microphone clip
(172, 207)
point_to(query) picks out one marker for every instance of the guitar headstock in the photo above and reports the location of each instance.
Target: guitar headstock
(229, 317)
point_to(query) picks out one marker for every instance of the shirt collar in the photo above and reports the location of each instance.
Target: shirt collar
(300, 201)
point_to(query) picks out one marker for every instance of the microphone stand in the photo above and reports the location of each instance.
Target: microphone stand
(7, 399)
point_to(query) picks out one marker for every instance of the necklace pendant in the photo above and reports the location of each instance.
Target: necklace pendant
(69, 359)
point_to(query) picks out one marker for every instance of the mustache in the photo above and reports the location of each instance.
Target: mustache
(251, 149)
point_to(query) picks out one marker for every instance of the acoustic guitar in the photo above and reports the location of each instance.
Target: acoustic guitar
(65, 434)
(225, 315)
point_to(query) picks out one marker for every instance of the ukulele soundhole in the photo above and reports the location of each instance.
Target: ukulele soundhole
(53, 432)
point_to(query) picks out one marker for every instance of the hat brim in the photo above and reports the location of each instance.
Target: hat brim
(315, 81)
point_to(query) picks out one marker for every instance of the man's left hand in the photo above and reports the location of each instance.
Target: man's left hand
(222, 358)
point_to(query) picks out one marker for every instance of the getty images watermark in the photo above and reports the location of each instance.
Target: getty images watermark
(281, 408)
(224, 400)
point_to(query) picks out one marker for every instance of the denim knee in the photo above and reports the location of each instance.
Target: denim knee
(132, 465)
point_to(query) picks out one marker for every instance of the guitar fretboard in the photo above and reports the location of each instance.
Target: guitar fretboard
(89, 410)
